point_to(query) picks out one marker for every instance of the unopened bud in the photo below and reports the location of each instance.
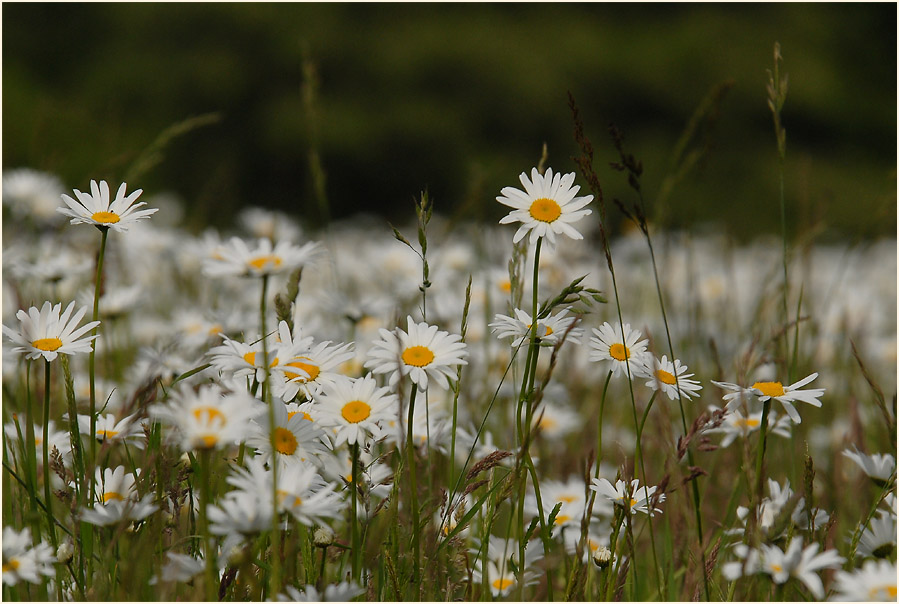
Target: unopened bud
(323, 537)
(602, 557)
(236, 556)
(65, 552)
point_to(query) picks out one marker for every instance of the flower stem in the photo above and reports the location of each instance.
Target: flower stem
(91, 362)
(357, 553)
(413, 486)
(48, 503)
(205, 466)
(275, 576)
(760, 458)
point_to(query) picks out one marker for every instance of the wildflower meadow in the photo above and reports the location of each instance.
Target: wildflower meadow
(537, 409)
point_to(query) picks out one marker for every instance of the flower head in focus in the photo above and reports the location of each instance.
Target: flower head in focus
(670, 378)
(624, 351)
(547, 207)
(96, 208)
(424, 352)
(355, 408)
(47, 333)
(764, 391)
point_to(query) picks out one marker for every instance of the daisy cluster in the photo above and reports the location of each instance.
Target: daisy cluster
(260, 381)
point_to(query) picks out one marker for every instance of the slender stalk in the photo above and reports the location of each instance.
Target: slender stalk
(91, 362)
(28, 446)
(210, 583)
(357, 553)
(760, 457)
(275, 575)
(46, 450)
(413, 487)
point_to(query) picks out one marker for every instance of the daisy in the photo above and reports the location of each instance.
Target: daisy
(301, 490)
(547, 206)
(46, 333)
(97, 210)
(241, 512)
(208, 418)
(556, 420)
(338, 592)
(549, 330)
(355, 407)
(58, 439)
(21, 561)
(875, 581)
(310, 371)
(293, 440)
(498, 572)
(240, 360)
(879, 468)
(421, 353)
(879, 537)
(775, 390)
(624, 353)
(670, 378)
(569, 494)
(179, 568)
(800, 563)
(633, 497)
(129, 429)
(117, 499)
(734, 424)
(236, 258)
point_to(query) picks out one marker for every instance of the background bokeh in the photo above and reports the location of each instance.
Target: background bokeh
(458, 99)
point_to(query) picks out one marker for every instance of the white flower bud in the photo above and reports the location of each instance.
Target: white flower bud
(602, 557)
(65, 552)
(323, 537)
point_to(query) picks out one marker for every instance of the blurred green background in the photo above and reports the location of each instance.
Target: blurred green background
(459, 99)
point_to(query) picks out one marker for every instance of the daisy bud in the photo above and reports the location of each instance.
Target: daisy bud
(323, 537)
(65, 552)
(236, 556)
(602, 557)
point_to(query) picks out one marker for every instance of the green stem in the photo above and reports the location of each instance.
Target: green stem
(760, 458)
(646, 413)
(104, 231)
(46, 450)
(210, 584)
(28, 448)
(413, 486)
(357, 553)
(275, 576)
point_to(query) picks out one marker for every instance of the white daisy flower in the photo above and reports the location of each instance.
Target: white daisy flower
(179, 568)
(556, 420)
(129, 429)
(569, 493)
(55, 438)
(632, 497)
(777, 391)
(236, 258)
(878, 467)
(879, 537)
(547, 207)
(498, 572)
(294, 439)
(117, 499)
(549, 330)
(21, 561)
(800, 563)
(241, 512)
(208, 418)
(310, 371)
(96, 209)
(421, 353)
(355, 408)
(670, 377)
(338, 592)
(734, 424)
(46, 333)
(624, 353)
(875, 581)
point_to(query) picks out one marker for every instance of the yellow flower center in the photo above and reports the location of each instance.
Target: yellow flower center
(777, 568)
(284, 441)
(112, 495)
(749, 422)
(215, 329)
(209, 415)
(355, 411)
(505, 286)
(306, 416)
(566, 498)
(770, 388)
(549, 330)
(312, 370)
(282, 495)
(209, 441)
(562, 519)
(502, 584)
(419, 356)
(875, 594)
(250, 358)
(47, 344)
(12, 565)
(106, 217)
(101, 434)
(665, 377)
(545, 210)
(264, 262)
(619, 352)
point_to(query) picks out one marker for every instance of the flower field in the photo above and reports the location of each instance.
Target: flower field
(532, 410)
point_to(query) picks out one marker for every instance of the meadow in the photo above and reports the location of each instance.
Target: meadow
(446, 409)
